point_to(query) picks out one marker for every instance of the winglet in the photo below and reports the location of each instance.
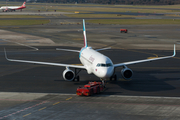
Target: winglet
(174, 50)
(84, 33)
(5, 54)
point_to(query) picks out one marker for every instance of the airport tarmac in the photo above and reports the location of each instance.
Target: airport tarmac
(30, 91)
(42, 106)
(39, 92)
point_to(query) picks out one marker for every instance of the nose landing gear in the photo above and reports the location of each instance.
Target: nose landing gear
(76, 74)
(103, 82)
(113, 77)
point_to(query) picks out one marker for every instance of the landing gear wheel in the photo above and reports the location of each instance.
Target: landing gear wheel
(98, 90)
(91, 92)
(77, 78)
(111, 78)
(114, 76)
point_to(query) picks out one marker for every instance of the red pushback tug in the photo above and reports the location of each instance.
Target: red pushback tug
(90, 88)
(123, 30)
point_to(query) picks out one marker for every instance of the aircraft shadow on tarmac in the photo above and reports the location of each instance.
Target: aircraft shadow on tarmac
(145, 82)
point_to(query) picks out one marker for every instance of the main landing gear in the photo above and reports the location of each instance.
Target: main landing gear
(113, 77)
(77, 78)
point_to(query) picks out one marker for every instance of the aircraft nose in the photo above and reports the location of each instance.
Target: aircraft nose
(107, 73)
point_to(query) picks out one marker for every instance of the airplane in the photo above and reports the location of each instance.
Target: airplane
(13, 8)
(94, 62)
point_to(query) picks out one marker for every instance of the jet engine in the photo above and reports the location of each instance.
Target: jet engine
(68, 74)
(126, 73)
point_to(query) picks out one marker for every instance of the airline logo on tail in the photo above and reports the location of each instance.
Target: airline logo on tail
(24, 4)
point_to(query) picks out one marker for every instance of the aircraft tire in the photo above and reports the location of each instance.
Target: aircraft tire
(91, 92)
(78, 78)
(115, 77)
(98, 90)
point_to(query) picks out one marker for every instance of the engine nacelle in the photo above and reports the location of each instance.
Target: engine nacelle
(68, 75)
(126, 73)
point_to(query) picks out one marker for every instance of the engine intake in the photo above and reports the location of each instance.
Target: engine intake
(68, 75)
(126, 73)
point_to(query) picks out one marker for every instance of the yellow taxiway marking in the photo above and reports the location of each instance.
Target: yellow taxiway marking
(146, 53)
(153, 57)
(56, 103)
(176, 57)
(26, 114)
(124, 79)
(42, 108)
(69, 98)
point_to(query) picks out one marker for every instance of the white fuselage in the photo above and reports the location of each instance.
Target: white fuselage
(96, 63)
(10, 7)
(13, 7)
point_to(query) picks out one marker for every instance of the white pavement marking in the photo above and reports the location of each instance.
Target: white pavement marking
(23, 110)
(21, 44)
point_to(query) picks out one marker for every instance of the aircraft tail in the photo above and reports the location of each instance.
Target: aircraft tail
(24, 4)
(84, 33)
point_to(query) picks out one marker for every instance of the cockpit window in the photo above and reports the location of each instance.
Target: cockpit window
(98, 65)
(104, 65)
(109, 64)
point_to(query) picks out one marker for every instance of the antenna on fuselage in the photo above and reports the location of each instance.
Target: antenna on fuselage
(84, 33)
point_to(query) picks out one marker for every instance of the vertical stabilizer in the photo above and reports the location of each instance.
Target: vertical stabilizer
(84, 33)
(24, 4)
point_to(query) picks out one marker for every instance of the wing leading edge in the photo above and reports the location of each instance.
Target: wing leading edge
(44, 63)
(146, 60)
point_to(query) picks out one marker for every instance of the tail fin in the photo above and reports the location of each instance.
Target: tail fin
(84, 33)
(24, 4)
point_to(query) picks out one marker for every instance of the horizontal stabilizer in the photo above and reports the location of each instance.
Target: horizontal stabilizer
(103, 49)
(68, 50)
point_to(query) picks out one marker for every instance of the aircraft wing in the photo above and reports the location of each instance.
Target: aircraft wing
(45, 63)
(146, 60)
(68, 50)
(103, 49)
